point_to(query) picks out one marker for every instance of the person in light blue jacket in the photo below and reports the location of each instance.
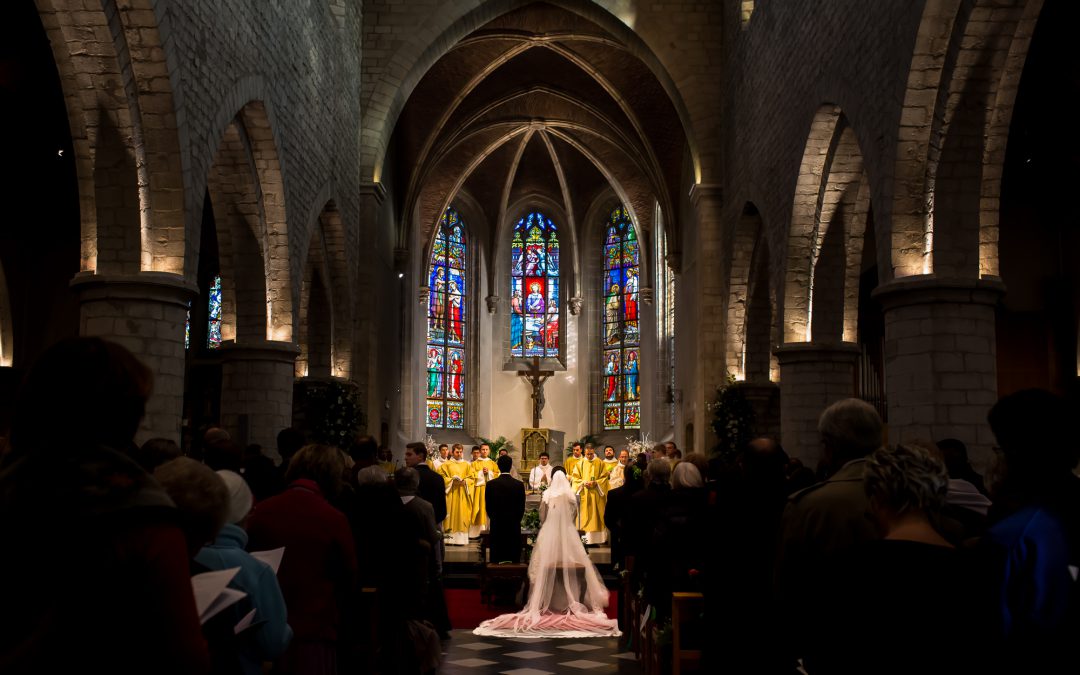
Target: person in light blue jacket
(269, 633)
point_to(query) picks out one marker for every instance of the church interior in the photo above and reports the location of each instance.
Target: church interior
(625, 222)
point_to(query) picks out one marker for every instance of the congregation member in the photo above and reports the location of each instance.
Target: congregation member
(433, 490)
(1031, 550)
(590, 482)
(894, 587)
(829, 518)
(319, 568)
(458, 477)
(484, 471)
(505, 508)
(97, 568)
(540, 475)
(617, 469)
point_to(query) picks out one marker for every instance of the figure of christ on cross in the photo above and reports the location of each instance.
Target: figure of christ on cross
(536, 378)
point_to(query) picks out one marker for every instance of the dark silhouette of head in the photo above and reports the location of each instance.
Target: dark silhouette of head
(1032, 431)
(504, 463)
(81, 391)
(289, 441)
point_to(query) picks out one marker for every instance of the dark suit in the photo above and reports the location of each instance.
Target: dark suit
(505, 506)
(433, 489)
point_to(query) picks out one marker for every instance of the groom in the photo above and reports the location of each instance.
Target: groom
(505, 507)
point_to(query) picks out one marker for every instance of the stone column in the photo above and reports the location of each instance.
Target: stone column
(712, 288)
(764, 398)
(257, 390)
(812, 376)
(940, 359)
(146, 313)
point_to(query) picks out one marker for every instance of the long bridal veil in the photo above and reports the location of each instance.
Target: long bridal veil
(567, 597)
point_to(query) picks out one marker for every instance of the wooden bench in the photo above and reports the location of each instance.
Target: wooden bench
(686, 611)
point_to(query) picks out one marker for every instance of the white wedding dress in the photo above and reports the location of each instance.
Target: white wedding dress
(567, 597)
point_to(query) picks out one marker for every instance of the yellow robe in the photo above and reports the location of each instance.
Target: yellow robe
(614, 473)
(593, 499)
(479, 505)
(570, 463)
(459, 497)
(388, 467)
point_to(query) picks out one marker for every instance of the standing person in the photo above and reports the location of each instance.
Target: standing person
(590, 483)
(617, 471)
(829, 518)
(437, 461)
(541, 473)
(505, 507)
(1034, 538)
(573, 459)
(560, 605)
(458, 477)
(96, 568)
(433, 490)
(485, 470)
(319, 567)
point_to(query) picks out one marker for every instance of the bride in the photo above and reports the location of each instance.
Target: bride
(567, 597)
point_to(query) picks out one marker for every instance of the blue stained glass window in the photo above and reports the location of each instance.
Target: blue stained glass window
(213, 328)
(534, 288)
(621, 333)
(446, 326)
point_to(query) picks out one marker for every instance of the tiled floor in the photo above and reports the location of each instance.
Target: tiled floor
(468, 653)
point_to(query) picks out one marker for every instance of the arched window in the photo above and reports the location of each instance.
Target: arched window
(213, 317)
(621, 333)
(534, 288)
(446, 326)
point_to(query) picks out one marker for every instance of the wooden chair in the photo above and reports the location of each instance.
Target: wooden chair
(686, 611)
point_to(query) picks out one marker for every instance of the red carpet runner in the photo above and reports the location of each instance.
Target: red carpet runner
(466, 610)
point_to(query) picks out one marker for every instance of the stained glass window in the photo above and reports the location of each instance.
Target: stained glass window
(213, 324)
(187, 328)
(534, 288)
(446, 326)
(621, 333)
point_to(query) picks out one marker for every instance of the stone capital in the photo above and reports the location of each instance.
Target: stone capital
(929, 289)
(423, 294)
(373, 190)
(492, 303)
(574, 304)
(163, 287)
(816, 352)
(260, 350)
(711, 192)
(647, 295)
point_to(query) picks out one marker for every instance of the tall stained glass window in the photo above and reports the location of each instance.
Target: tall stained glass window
(213, 323)
(446, 326)
(621, 333)
(534, 288)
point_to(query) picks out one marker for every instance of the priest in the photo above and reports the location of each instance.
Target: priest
(541, 473)
(484, 471)
(616, 476)
(457, 475)
(590, 482)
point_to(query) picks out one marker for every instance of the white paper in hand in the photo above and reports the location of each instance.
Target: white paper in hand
(244, 623)
(212, 593)
(271, 557)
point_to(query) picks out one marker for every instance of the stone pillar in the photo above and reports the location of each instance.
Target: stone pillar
(146, 313)
(940, 359)
(812, 376)
(764, 398)
(257, 390)
(712, 290)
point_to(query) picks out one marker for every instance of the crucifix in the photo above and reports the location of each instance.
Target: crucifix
(536, 378)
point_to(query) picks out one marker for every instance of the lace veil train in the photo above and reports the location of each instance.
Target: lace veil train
(567, 597)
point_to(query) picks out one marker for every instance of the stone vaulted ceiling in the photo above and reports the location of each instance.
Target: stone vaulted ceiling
(538, 102)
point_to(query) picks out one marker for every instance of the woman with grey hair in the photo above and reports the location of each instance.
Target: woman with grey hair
(910, 585)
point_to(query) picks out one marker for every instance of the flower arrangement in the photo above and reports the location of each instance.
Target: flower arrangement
(733, 419)
(635, 446)
(531, 520)
(432, 446)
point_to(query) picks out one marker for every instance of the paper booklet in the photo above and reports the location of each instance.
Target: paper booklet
(271, 557)
(212, 594)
